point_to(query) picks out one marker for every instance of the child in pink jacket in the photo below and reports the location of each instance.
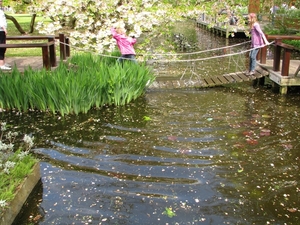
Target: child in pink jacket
(125, 44)
(258, 40)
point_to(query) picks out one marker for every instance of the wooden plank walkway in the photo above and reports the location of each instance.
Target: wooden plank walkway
(212, 81)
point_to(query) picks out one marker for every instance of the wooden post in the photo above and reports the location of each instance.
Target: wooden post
(67, 46)
(277, 50)
(46, 61)
(52, 52)
(286, 61)
(62, 46)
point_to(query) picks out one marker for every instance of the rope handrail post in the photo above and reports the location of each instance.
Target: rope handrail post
(277, 49)
(52, 52)
(263, 54)
(62, 46)
(68, 50)
(286, 58)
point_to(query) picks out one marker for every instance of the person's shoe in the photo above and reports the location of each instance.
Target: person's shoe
(5, 67)
(252, 73)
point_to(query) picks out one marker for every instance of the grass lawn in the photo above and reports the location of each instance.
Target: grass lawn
(24, 21)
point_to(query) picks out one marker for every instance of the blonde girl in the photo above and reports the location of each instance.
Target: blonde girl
(258, 40)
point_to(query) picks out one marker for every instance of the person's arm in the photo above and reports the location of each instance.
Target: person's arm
(113, 31)
(133, 40)
(257, 27)
(3, 23)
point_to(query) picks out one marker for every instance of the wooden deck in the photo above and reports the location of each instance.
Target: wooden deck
(283, 81)
(223, 29)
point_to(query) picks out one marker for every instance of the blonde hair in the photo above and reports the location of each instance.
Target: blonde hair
(252, 19)
(120, 30)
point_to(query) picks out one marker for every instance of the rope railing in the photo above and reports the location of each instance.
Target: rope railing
(179, 54)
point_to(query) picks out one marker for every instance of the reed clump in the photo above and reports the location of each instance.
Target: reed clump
(84, 82)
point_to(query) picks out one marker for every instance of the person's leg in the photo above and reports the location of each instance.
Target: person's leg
(2, 50)
(130, 57)
(252, 55)
(120, 59)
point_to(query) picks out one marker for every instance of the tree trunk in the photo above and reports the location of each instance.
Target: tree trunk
(32, 22)
(18, 26)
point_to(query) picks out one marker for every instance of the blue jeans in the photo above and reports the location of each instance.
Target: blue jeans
(129, 57)
(252, 55)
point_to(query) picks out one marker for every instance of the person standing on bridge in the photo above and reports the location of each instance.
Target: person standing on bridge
(125, 44)
(3, 33)
(258, 40)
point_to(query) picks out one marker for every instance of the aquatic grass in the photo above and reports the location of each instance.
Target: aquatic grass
(84, 82)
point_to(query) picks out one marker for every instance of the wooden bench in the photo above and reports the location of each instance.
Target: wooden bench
(48, 48)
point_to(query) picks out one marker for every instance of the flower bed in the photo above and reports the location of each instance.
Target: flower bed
(23, 191)
(19, 173)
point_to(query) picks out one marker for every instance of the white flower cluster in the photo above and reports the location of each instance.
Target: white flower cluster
(7, 166)
(28, 140)
(3, 203)
(90, 21)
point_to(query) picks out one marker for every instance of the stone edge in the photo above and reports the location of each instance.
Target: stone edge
(21, 196)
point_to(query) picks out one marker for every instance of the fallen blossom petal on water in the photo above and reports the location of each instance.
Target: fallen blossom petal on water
(235, 125)
(172, 138)
(238, 145)
(264, 133)
(248, 133)
(292, 210)
(287, 146)
(252, 141)
(266, 116)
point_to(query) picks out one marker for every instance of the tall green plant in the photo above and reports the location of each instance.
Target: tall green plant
(86, 81)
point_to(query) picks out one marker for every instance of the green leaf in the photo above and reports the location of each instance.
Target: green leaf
(169, 212)
(146, 118)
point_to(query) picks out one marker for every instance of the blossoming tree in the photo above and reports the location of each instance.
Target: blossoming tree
(88, 23)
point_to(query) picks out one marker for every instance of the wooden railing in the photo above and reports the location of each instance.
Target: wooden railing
(281, 51)
(48, 48)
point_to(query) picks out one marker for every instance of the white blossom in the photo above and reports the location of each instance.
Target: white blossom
(3, 126)
(28, 140)
(2, 203)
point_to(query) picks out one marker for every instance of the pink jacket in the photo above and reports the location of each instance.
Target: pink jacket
(256, 36)
(124, 43)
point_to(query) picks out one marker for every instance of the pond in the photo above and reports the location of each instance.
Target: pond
(227, 155)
